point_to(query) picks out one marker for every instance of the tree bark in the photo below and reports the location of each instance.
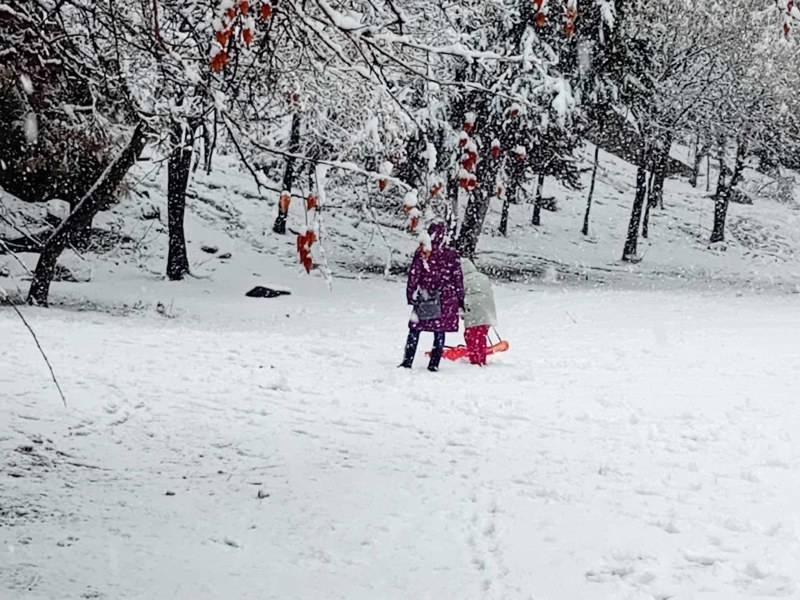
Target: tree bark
(723, 196)
(83, 213)
(585, 230)
(511, 198)
(452, 199)
(648, 206)
(279, 226)
(504, 215)
(80, 237)
(178, 167)
(475, 215)
(698, 157)
(477, 207)
(632, 239)
(536, 219)
(660, 172)
(514, 181)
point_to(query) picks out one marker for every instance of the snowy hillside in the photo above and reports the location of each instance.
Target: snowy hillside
(365, 237)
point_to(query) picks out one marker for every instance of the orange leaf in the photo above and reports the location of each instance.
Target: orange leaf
(222, 37)
(412, 226)
(436, 189)
(266, 11)
(311, 237)
(541, 19)
(231, 13)
(219, 61)
(244, 6)
(382, 184)
(301, 244)
(308, 263)
(311, 202)
(247, 36)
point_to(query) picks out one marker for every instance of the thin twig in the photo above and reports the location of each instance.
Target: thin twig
(4, 297)
(17, 258)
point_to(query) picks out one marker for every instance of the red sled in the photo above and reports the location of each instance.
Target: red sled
(459, 352)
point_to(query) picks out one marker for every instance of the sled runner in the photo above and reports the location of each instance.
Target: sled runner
(458, 352)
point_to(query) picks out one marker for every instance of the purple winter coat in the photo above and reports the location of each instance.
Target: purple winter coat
(441, 271)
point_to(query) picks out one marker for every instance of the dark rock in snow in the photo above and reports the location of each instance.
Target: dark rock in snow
(265, 292)
(740, 197)
(64, 274)
(150, 211)
(225, 256)
(208, 249)
(549, 203)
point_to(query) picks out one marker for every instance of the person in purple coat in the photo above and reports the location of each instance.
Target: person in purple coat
(436, 271)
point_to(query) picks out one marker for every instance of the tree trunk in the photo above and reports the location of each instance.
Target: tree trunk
(708, 171)
(178, 167)
(724, 191)
(661, 174)
(475, 215)
(80, 237)
(585, 230)
(452, 199)
(658, 183)
(698, 157)
(648, 206)
(720, 215)
(536, 219)
(632, 239)
(108, 181)
(477, 207)
(504, 216)
(514, 181)
(279, 226)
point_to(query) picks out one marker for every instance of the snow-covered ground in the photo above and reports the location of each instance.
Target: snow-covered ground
(631, 444)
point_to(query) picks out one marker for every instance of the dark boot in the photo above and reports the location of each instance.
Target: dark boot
(436, 352)
(411, 349)
(436, 356)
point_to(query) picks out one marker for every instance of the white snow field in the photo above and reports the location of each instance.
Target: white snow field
(630, 445)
